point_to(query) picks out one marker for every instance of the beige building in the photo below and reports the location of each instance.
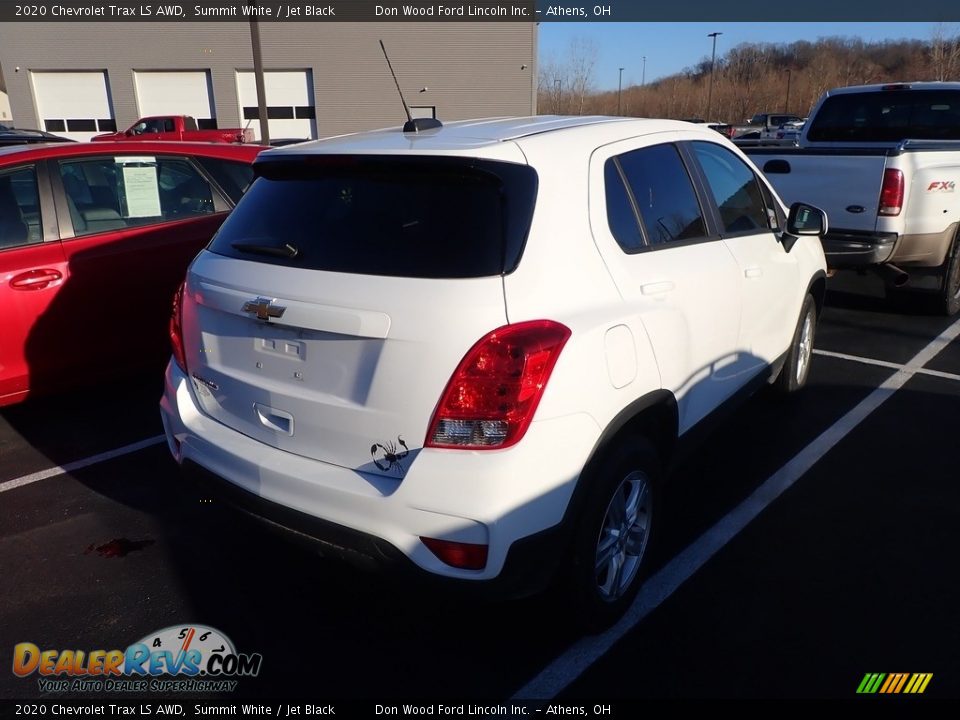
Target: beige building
(80, 79)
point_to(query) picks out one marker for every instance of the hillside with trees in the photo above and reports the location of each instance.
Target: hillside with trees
(750, 78)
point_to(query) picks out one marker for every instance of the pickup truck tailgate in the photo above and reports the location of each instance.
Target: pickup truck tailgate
(845, 185)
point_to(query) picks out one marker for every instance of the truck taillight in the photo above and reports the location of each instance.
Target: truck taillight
(176, 329)
(891, 193)
(494, 392)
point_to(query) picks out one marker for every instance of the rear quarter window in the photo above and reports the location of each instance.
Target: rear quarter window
(422, 217)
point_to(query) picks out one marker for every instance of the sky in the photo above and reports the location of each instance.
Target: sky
(671, 47)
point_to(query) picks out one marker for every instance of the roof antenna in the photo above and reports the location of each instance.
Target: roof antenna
(414, 125)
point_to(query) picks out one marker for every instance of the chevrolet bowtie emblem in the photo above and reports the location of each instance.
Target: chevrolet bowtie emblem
(263, 308)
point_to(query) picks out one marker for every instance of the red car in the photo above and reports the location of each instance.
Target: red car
(94, 240)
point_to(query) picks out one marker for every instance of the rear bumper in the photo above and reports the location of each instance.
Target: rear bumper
(845, 249)
(530, 564)
(513, 500)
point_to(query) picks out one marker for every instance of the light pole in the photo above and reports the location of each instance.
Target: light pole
(258, 77)
(786, 105)
(643, 76)
(713, 62)
(619, 90)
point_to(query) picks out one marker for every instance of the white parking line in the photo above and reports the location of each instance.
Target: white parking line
(586, 651)
(884, 363)
(78, 464)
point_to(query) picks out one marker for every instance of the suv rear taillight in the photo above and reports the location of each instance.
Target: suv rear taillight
(176, 329)
(891, 193)
(494, 392)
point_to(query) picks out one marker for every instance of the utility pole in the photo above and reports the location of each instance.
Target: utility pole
(619, 90)
(643, 76)
(557, 91)
(713, 62)
(258, 78)
(786, 105)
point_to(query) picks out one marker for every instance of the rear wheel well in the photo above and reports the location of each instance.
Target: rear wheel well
(654, 417)
(658, 424)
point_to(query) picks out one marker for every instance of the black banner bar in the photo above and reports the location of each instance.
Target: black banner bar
(179, 707)
(473, 11)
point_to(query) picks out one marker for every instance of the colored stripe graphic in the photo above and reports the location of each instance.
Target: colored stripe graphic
(903, 679)
(918, 683)
(892, 679)
(871, 683)
(894, 683)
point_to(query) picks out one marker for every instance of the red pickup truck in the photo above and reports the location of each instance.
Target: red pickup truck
(177, 127)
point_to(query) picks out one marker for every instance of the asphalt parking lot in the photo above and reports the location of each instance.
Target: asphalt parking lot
(806, 543)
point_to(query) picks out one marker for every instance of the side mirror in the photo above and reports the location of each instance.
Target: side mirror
(128, 133)
(803, 220)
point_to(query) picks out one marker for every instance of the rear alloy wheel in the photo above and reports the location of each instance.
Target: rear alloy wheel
(613, 540)
(796, 368)
(623, 536)
(950, 292)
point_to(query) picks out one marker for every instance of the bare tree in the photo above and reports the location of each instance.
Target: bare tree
(551, 84)
(583, 53)
(752, 77)
(945, 53)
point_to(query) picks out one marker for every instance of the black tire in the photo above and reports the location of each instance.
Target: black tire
(796, 367)
(949, 297)
(628, 474)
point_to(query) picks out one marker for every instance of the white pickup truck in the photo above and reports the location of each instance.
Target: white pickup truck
(883, 161)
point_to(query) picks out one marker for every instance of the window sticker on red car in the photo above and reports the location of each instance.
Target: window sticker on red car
(142, 190)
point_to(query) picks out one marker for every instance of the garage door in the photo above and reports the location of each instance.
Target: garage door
(290, 103)
(176, 93)
(5, 115)
(73, 104)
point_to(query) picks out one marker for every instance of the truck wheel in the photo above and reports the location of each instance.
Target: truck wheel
(949, 299)
(609, 559)
(796, 368)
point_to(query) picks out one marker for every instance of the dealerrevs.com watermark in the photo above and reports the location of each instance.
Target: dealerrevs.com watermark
(180, 658)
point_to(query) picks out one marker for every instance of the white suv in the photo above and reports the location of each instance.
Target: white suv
(471, 351)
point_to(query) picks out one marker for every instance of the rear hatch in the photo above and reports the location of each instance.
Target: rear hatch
(331, 309)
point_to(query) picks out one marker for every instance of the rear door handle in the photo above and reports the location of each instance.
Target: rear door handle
(753, 272)
(35, 279)
(657, 288)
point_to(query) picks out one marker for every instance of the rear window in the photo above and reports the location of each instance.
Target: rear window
(888, 116)
(407, 217)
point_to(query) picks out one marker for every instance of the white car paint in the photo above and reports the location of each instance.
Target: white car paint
(670, 319)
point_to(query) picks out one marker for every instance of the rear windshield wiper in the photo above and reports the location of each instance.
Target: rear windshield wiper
(285, 251)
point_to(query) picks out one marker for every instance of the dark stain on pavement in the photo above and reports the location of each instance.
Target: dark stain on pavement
(118, 547)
